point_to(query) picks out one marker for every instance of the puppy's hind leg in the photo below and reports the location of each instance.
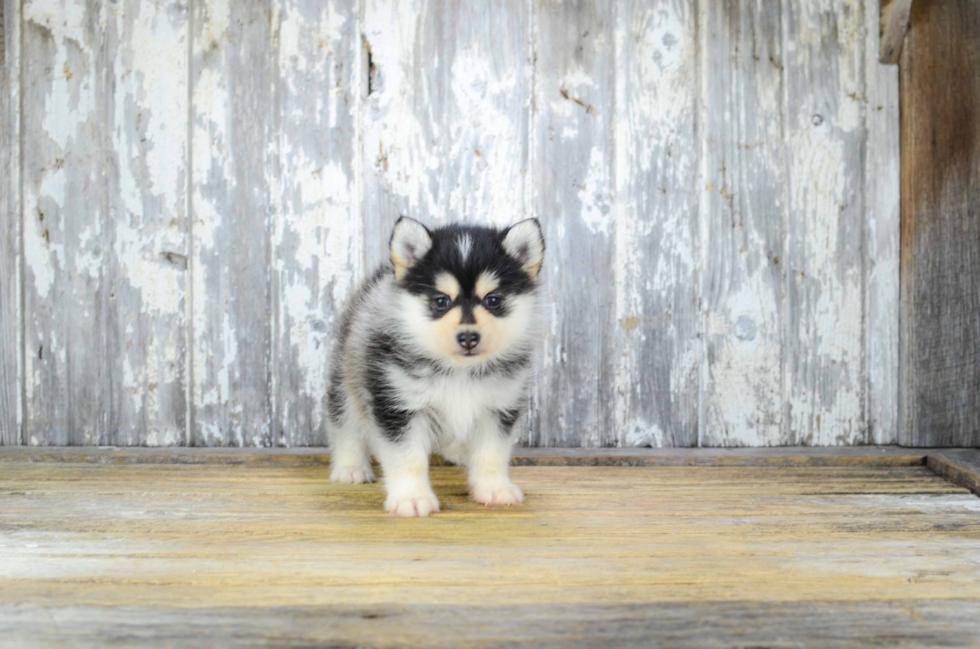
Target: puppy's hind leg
(350, 459)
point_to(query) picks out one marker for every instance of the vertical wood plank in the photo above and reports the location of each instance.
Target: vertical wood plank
(574, 199)
(882, 223)
(655, 266)
(147, 248)
(64, 222)
(11, 335)
(940, 244)
(743, 189)
(317, 231)
(826, 387)
(446, 115)
(233, 72)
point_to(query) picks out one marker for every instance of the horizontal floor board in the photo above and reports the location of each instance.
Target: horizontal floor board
(86, 543)
(909, 623)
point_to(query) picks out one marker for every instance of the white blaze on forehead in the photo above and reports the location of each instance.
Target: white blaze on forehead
(446, 283)
(487, 282)
(465, 244)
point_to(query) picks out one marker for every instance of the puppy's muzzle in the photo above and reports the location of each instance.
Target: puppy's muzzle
(468, 339)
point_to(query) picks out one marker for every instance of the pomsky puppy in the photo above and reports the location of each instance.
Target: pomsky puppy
(435, 355)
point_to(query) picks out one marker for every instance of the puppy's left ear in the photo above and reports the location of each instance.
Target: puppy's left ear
(524, 241)
(410, 240)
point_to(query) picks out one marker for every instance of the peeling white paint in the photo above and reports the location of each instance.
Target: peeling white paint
(643, 433)
(38, 255)
(597, 211)
(70, 103)
(448, 132)
(881, 199)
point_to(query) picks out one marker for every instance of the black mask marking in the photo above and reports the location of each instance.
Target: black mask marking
(486, 254)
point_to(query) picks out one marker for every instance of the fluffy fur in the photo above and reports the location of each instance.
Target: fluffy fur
(434, 355)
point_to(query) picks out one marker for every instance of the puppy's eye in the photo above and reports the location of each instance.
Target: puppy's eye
(441, 303)
(492, 301)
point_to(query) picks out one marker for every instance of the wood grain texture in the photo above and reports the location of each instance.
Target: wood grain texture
(233, 73)
(913, 623)
(574, 188)
(65, 222)
(656, 235)
(445, 115)
(893, 23)
(316, 237)
(821, 551)
(11, 329)
(882, 215)
(146, 243)
(959, 466)
(743, 224)
(717, 181)
(824, 87)
(940, 313)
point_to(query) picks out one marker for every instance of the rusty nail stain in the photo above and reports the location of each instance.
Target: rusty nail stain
(588, 107)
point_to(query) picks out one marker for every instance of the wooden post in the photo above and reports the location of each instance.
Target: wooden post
(940, 278)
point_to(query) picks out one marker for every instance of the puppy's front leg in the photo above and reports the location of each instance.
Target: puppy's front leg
(405, 465)
(488, 464)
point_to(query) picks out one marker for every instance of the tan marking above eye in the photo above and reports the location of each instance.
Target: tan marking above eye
(446, 283)
(486, 283)
(479, 315)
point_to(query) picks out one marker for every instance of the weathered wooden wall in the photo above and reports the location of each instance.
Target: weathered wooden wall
(940, 353)
(10, 308)
(192, 187)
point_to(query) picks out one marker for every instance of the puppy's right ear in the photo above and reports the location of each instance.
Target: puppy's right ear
(410, 240)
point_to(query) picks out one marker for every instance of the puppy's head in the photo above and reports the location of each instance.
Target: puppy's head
(468, 294)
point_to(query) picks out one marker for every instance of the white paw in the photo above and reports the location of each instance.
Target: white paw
(497, 492)
(411, 503)
(352, 473)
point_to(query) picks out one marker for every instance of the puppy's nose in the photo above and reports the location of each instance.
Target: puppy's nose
(468, 339)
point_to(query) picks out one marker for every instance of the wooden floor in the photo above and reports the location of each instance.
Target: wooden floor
(220, 554)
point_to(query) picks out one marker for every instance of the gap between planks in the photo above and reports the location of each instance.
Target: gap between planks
(961, 466)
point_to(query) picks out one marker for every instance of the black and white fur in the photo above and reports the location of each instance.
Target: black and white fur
(435, 355)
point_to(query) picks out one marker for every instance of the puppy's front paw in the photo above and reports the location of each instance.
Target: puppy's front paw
(352, 473)
(411, 502)
(497, 492)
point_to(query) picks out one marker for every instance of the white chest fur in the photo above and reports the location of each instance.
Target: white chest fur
(459, 400)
